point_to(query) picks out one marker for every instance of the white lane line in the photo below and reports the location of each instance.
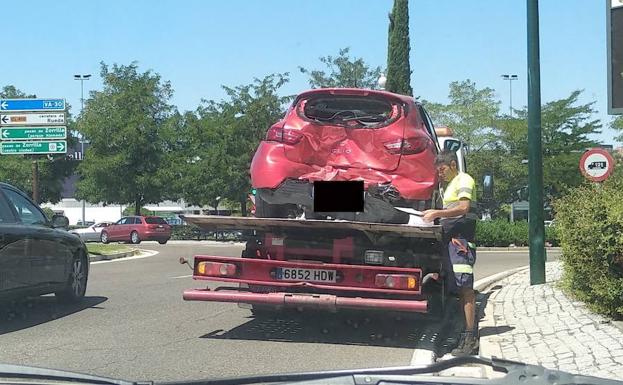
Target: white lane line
(144, 254)
(181, 276)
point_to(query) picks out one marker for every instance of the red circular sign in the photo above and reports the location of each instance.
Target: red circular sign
(596, 164)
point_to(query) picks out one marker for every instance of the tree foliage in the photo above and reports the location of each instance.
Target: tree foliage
(398, 49)
(17, 169)
(222, 139)
(126, 125)
(342, 71)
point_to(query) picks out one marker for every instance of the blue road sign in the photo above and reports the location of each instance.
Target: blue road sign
(32, 104)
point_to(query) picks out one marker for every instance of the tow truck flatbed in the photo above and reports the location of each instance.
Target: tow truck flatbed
(215, 222)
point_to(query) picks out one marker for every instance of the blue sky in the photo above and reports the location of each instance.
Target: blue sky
(200, 45)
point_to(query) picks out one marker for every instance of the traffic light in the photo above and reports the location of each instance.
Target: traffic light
(254, 191)
(614, 30)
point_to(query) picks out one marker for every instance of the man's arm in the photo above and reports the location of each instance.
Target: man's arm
(461, 209)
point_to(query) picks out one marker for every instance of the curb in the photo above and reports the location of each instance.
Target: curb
(487, 349)
(518, 249)
(108, 257)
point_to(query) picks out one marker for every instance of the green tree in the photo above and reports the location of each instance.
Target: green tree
(617, 124)
(398, 48)
(222, 139)
(343, 72)
(53, 170)
(126, 124)
(472, 113)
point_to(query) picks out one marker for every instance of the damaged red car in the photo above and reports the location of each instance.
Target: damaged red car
(386, 140)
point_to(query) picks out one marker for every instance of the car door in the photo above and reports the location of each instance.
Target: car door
(114, 231)
(13, 246)
(95, 231)
(47, 256)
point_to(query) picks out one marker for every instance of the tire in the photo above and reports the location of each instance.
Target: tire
(163, 242)
(134, 238)
(104, 237)
(76, 284)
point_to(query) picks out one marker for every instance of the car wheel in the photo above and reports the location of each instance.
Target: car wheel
(76, 284)
(163, 242)
(134, 238)
(104, 237)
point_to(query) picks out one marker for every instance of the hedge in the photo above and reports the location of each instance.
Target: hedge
(502, 233)
(590, 221)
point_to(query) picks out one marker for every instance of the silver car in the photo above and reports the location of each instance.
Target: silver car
(91, 233)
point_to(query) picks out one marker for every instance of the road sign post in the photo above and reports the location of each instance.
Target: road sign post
(596, 164)
(32, 119)
(28, 133)
(535, 157)
(17, 105)
(33, 147)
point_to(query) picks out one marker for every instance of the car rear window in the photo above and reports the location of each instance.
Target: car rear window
(351, 111)
(155, 221)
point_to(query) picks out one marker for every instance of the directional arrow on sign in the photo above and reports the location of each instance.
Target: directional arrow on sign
(3, 105)
(61, 147)
(5, 119)
(5, 134)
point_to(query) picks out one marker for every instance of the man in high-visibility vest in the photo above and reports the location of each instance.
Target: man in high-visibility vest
(458, 219)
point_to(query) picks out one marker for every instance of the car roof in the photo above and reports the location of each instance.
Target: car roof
(355, 92)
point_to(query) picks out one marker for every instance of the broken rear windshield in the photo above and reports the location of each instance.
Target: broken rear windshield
(352, 111)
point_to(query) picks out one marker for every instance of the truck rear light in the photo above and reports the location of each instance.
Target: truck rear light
(408, 146)
(216, 269)
(396, 281)
(284, 135)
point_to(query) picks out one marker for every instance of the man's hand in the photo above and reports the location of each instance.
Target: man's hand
(430, 215)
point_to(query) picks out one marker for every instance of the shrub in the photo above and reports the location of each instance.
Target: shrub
(590, 225)
(502, 233)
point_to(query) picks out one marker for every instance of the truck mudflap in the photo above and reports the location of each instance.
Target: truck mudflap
(315, 301)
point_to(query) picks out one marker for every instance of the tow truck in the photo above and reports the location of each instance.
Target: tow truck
(291, 263)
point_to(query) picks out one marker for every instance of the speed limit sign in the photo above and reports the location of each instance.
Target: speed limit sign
(596, 164)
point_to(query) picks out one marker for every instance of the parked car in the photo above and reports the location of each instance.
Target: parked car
(38, 256)
(91, 233)
(135, 229)
(86, 223)
(386, 140)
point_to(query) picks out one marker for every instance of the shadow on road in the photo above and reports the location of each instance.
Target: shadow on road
(18, 315)
(327, 328)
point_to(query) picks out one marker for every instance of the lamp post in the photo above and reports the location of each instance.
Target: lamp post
(82, 78)
(510, 79)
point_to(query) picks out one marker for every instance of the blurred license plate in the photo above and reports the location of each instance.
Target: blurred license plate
(160, 229)
(311, 275)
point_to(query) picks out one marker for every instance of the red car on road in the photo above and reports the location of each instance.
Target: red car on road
(386, 140)
(135, 229)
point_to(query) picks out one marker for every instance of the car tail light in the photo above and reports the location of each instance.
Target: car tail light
(216, 269)
(408, 146)
(396, 281)
(284, 135)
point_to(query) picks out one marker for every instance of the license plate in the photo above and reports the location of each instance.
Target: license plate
(160, 229)
(309, 275)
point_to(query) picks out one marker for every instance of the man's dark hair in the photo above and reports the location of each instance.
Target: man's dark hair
(446, 157)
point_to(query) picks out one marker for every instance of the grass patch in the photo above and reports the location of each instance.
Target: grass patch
(101, 249)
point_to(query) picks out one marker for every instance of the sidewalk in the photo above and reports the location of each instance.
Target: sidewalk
(540, 325)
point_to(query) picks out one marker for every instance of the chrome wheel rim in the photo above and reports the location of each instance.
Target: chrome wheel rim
(77, 277)
(134, 237)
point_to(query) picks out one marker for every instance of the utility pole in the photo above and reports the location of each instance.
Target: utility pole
(35, 181)
(535, 155)
(82, 78)
(510, 79)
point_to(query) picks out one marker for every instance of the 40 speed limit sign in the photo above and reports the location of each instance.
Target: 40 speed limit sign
(596, 164)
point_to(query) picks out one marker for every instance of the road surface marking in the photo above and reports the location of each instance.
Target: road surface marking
(144, 254)
(182, 276)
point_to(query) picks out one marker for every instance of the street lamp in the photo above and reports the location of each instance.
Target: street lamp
(82, 78)
(510, 79)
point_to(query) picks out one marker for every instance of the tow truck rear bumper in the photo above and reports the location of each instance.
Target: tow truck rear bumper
(316, 301)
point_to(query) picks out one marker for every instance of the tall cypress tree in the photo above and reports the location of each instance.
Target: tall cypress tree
(398, 68)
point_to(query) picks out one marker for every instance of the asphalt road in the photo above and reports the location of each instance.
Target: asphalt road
(134, 325)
